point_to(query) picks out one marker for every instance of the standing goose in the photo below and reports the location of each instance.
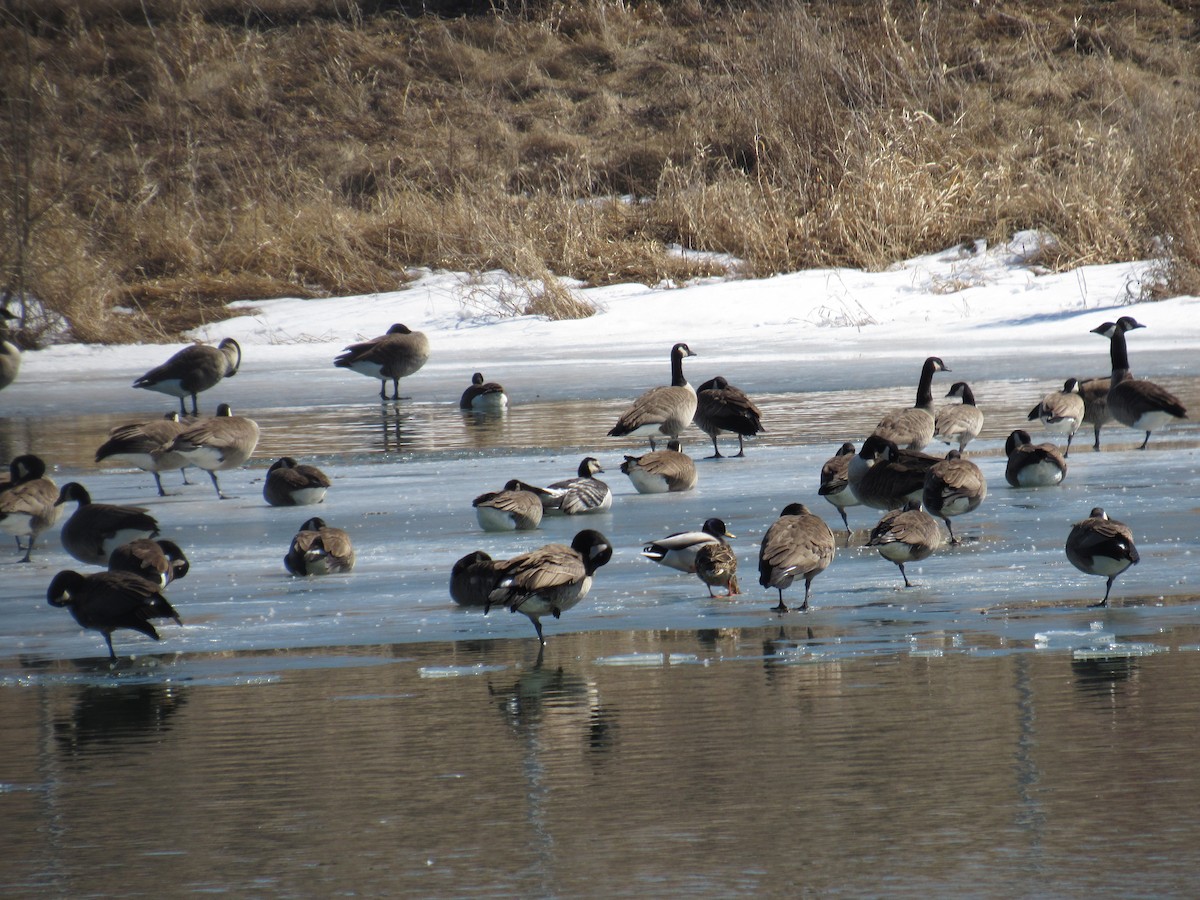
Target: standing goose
(798, 544)
(579, 495)
(29, 505)
(318, 549)
(661, 411)
(835, 482)
(1135, 402)
(483, 396)
(1032, 466)
(223, 442)
(678, 551)
(722, 407)
(551, 579)
(1101, 546)
(906, 535)
(661, 471)
(389, 357)
(473, 578)
(140, 445)
(289, 483)
(959, 423)
(953, 487)
(106, 601)
(1095, 405)
(516, 508)
(95, 530)
(192, 370)
(716, 566)
(1062, 412)
(160, 561)
(913, 427)
(884, 476)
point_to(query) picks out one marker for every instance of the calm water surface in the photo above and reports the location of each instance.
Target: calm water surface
(986, 734)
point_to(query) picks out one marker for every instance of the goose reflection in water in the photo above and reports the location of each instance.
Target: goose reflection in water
(557, 708)
(116, 720)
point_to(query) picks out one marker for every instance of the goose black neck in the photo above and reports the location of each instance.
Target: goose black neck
(968, 396)
(677, 379)
(925, 387)
(1119, 354)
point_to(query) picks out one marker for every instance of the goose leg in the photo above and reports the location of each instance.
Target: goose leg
(741, 447)
(195, 410)
(158, 484)
(953, 539)
(904, 575)
(716, 449)
(782, 607)
(213, 476)
(1145, 442)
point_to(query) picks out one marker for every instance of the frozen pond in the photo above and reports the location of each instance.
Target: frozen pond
(985, 732)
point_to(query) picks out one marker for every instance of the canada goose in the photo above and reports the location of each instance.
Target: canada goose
(1135, 402)
(95, 530)
(798, 543)
(1095, 405)
(953, 487)
(912, 427)
(483, 396)
(29, 505)
(883, 475)
(160, 561)
(835, 482)
(579, 495)
(318, 549)
(1032, 466)
(716, 566)
(1101, 546)
(678, 551)
(722, 407)
(192, 370)
(1062, 412)
(551, 579)
(390, 356)
(908, 534)
(222, 442)
(289, 483)
(959, 423)
(140, 445)
(516, 508)
(10, 353)
(106, 601)
(473, 578)
(662, 410)
(661, 471)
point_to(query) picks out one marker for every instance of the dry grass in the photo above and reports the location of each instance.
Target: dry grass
(159, 158)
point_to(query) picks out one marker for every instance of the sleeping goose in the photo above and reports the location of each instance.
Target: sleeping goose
(161, 561)
(95, 530)
(551, 579)
(106, 601)
(140, 445)
(884, 476)
(483, 396)
(1135, 402)
(661, 411)
(1100, 545)
(912, 427)
(318, 549)
(516, 508)
(722, 407)
(959, 424)
(29, 505)
(585, 493)
(661, 471)
(835, 482)
(797, 545)
(222, 442)
(289, 483)
(473, 578)
(1062, 412)
(1032, 466)
(389, 357)
(904, 535)
(678, 551)
(953, 487)
(192, 370)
